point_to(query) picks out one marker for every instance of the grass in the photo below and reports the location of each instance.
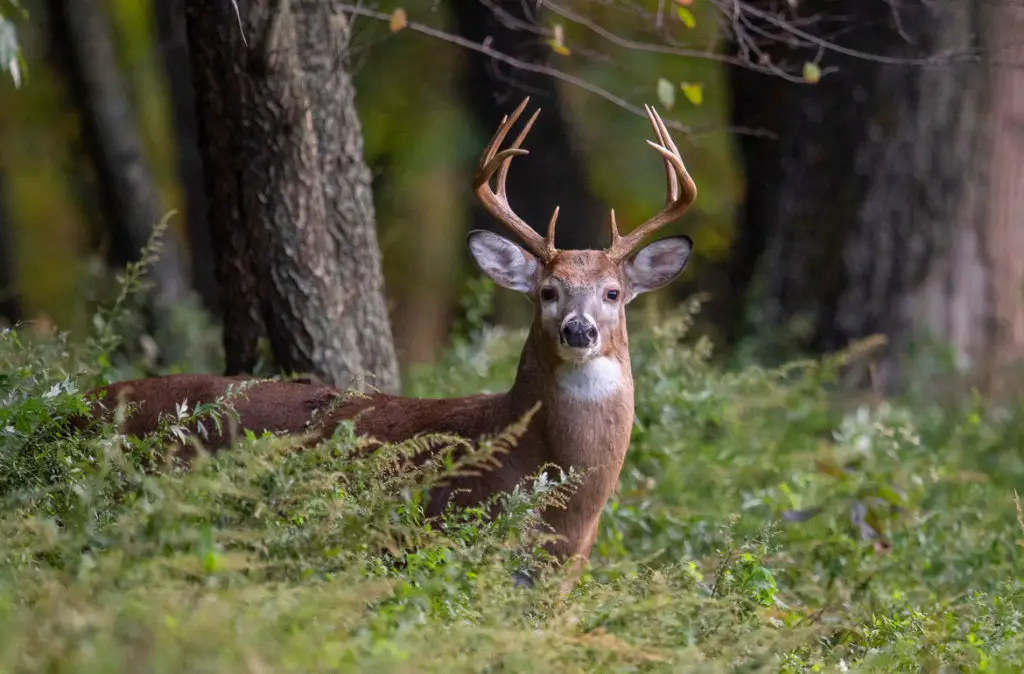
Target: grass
(757, 527)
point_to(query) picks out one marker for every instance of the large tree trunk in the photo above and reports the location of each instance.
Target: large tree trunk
(170, 28)
(10, 310)
(1003, 228)
(82, 41)
(867, 214)
(291, 210)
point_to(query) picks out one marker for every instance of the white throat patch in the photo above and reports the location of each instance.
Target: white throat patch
(594, 380)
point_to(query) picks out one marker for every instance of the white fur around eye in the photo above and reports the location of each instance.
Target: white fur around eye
(594, 380)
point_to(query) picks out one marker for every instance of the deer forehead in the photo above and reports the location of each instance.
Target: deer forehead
(581, 271)
(582, 265)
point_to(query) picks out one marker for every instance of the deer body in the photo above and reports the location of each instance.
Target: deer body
(575, 362)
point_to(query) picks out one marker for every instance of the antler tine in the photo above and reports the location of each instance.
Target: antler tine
(496, 202)
(681, 191)
(614, 230)
(550, 240)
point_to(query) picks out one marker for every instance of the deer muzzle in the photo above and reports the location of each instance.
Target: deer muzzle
(578, 333)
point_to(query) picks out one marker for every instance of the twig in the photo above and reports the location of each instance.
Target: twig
(487, 50)
(238, 15)
(942, 58)
(661, 48)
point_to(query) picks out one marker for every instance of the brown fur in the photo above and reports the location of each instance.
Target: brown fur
(587, 428)
(588, 435)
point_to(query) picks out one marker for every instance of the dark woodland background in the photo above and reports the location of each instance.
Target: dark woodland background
(859, 167)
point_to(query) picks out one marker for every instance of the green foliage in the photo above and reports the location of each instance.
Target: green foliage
(757, 527)
(11, 59)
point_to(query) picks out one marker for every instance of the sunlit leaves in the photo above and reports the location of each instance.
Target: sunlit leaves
(811, 73)
(557, 41)
(666, 93)
(693, 92)
(398, 20)
(10, 51)
(686, 16)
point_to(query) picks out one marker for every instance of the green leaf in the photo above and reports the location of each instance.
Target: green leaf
(693, 92)
(666, 93)
(686, 16)
(557, 42)
(812, 73)
(10, 51)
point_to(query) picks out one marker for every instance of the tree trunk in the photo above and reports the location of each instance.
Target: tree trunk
(128, 194)
(866, 214)
(10, 310)
(170, 29)
(291, 211)
(1003, 228)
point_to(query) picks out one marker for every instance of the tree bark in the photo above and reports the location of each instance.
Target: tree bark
(169, 18)
(291, 211)
(862, 216)
(128, 194)
(554, 174)
(1003, 228)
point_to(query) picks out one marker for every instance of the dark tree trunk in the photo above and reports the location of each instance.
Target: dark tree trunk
(290, 203)
(554, 174)
(861, 216)
(82, 41)
(997, 343)
(10, 309)
(170, 28)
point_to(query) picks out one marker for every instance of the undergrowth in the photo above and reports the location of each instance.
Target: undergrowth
(757, 527)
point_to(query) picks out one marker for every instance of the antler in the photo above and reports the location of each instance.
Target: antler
(681, 192)
(497, 201)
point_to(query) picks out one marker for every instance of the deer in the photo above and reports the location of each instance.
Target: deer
(574, 374)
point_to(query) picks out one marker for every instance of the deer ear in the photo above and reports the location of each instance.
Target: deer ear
(504, 262)
(658, 263)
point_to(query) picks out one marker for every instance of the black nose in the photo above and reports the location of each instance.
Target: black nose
(579, 334)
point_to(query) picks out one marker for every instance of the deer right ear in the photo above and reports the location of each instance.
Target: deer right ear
(504, 262)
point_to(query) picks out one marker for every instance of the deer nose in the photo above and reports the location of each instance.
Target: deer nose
(579, 334)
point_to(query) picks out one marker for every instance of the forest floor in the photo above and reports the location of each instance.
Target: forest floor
(757, 527)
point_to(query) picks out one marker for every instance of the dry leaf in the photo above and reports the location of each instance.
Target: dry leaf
(558, 41)
(398, 20)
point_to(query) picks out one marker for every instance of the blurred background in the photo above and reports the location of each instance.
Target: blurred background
(859, 165)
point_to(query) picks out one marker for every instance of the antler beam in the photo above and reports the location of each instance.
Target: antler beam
(681, 192)
(496, 201)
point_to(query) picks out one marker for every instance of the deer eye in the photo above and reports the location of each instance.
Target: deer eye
(548, 294)
(612, 295)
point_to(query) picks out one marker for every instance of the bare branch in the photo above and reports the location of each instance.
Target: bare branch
(487, 50)
(626, 43)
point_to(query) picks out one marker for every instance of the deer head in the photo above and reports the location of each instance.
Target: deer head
(580, 295)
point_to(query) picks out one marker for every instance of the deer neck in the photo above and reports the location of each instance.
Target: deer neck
(584, 422)
(586, 411)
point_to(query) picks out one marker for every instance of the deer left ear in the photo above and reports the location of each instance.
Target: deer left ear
(658, 263)
(507, 264)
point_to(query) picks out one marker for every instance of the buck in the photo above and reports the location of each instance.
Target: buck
(574, 372)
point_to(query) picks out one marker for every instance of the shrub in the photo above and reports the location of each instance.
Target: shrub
(757, 527)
